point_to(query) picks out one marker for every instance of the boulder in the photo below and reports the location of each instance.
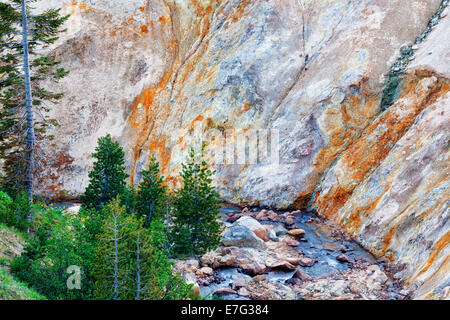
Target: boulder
(241, 236)
(238, 282)
(254, 226)
(253, 268)
(243, 292)
(280, 230)
(280, 265)
(263, 215)
(343, 258)
(297, 232)
(302, 275)
(224, 292)
(261, 288)
(291, 242)
(272, 235)
(206, 271)
(289, 221)
(306, 262)
(187, 266)
(272, 216)
(249, 260)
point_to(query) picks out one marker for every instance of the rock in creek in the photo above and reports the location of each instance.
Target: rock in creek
(241, 236)
(297, 232)
(343, 258)
(258, 229)
(224, 292)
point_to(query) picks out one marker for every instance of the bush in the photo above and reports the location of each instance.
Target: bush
(59, 241)
(14, 213)
(5, 207)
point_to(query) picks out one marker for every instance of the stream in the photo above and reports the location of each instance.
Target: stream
(320, 243)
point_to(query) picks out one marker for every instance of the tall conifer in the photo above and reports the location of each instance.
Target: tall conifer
(107, 178)
(195, 225)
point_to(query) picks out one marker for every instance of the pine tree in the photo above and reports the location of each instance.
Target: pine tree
(23, 69)
(162, 283)
(151, 194)
(129, 198)
(107, 178)
(195, 225)
(132, 261)
(113, 257)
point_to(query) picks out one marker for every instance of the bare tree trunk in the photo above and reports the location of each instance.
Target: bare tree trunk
(138, 270)
(167, 226)
(31, 139)
(150, 209)
(194, 237)
(116, 261)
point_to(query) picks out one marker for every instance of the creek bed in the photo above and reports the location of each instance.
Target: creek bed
(321, 243)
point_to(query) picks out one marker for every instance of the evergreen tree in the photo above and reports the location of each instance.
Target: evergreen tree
(114, 259)
(23, 70)
(132, 261)
(151, 194)
(161, 282)
(107, 178)
(195, 225)
(129, 198)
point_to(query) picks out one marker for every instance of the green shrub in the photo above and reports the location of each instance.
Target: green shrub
(5, 208)
(13, 213)
(59, 241)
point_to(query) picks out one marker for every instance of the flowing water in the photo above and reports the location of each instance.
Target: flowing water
(319, 243)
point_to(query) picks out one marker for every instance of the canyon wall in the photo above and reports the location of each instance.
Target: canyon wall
(309, 73)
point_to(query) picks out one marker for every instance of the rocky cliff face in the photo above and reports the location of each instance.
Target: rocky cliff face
(309, 75)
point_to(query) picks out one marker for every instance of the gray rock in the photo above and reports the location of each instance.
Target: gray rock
(301, 275)
(240, 236)
(280, 230)
(273, 235)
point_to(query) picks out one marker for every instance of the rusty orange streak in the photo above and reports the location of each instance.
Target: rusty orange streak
(441, 244)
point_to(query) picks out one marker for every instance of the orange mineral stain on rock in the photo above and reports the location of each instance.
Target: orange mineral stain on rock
(387, 240)
(376, 142)
(144, 29)
(240, 10)
(164, 19)
(76, 7)
(345, 124)
(142, 119)
(440, 245)
(83, 5)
